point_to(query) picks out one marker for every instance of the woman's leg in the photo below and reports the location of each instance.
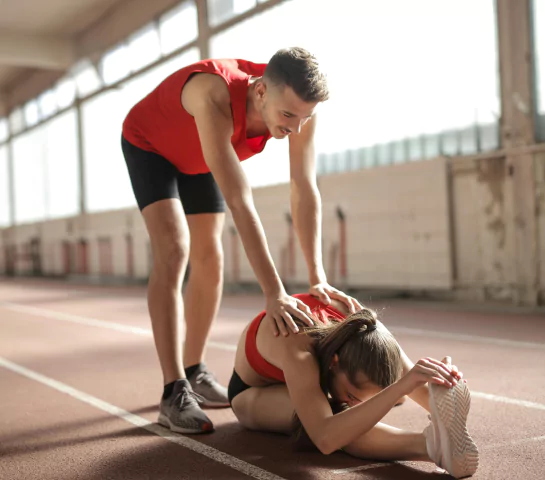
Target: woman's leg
(265, 408)
(384, 442)
(270, 409)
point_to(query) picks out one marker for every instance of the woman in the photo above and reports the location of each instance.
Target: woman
(282, 381)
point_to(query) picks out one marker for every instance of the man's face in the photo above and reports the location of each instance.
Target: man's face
(283, 111)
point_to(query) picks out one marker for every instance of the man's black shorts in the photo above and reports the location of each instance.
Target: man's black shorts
(154, 178)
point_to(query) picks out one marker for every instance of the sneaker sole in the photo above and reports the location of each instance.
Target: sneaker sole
(165, 422)
(207, 404)
(450, 406)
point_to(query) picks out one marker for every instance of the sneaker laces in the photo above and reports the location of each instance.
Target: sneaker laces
(187, 397)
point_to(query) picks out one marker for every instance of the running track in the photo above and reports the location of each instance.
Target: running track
(80, 383)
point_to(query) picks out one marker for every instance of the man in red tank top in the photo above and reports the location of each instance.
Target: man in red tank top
(183, 144)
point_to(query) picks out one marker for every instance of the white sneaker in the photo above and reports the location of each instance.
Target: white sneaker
(447, 439)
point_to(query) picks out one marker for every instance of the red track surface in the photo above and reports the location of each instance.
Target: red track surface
(49, 329)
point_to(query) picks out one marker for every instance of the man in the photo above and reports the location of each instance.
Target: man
(189, 133)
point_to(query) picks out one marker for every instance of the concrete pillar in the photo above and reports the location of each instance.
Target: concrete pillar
(81, 159)
(517, 130)
(11, 181)
(203, 39)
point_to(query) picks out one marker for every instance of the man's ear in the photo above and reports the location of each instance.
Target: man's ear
(260, 89)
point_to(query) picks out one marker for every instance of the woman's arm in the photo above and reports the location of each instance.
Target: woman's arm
(421, 394)
(331, 432)
(327, 431)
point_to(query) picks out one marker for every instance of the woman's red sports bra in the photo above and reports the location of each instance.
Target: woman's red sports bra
(257, 362)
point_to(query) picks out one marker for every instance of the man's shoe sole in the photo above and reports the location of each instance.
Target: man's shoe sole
(165, 422)
(208, 404)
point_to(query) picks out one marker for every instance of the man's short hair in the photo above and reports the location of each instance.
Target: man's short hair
(298, 69)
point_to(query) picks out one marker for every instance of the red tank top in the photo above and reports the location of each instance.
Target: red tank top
(160, 124)
(257, 362)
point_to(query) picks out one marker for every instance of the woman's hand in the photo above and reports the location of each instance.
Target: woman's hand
(430, 370)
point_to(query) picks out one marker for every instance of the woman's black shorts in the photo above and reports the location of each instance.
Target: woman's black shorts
(236, 386)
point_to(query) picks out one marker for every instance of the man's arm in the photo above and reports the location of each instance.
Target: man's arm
(207, 99)
(306, 204)
(306, 208)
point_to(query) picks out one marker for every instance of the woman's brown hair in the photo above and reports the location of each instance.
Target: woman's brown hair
(362, 344)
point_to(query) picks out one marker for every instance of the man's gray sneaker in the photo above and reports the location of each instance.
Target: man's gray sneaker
(205, 384)
(181, 411)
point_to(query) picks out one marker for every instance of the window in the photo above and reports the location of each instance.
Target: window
(433, 81)
(17, 121)
(399, 151)
(416, 148)
(468, 138)
(32, 115)
(62, 165)
(47, 103)
(4, 187)
(46, 170)
(450, 143)
(178, 27)
(144, 48)
(137, 88)
(4, 130)
(116, 64)
(220, 11)
(432, 147)
(86, 78)
(29, 164)
(65, 92)
(539, 52)
(107, 182)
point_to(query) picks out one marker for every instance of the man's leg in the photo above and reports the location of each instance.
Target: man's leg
(204, 288)
(154, 182)
(169, 236)
(204, 207)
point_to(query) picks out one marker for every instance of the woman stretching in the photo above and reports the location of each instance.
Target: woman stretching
(282, 383)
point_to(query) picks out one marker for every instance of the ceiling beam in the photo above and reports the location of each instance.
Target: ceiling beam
(34, 51)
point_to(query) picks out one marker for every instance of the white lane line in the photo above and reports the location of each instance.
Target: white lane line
(189, 443)
(501, 342)
(343, 471)
(511, 443)
(147, 332)
(90, 322)
(93, 322)
(511, 401)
